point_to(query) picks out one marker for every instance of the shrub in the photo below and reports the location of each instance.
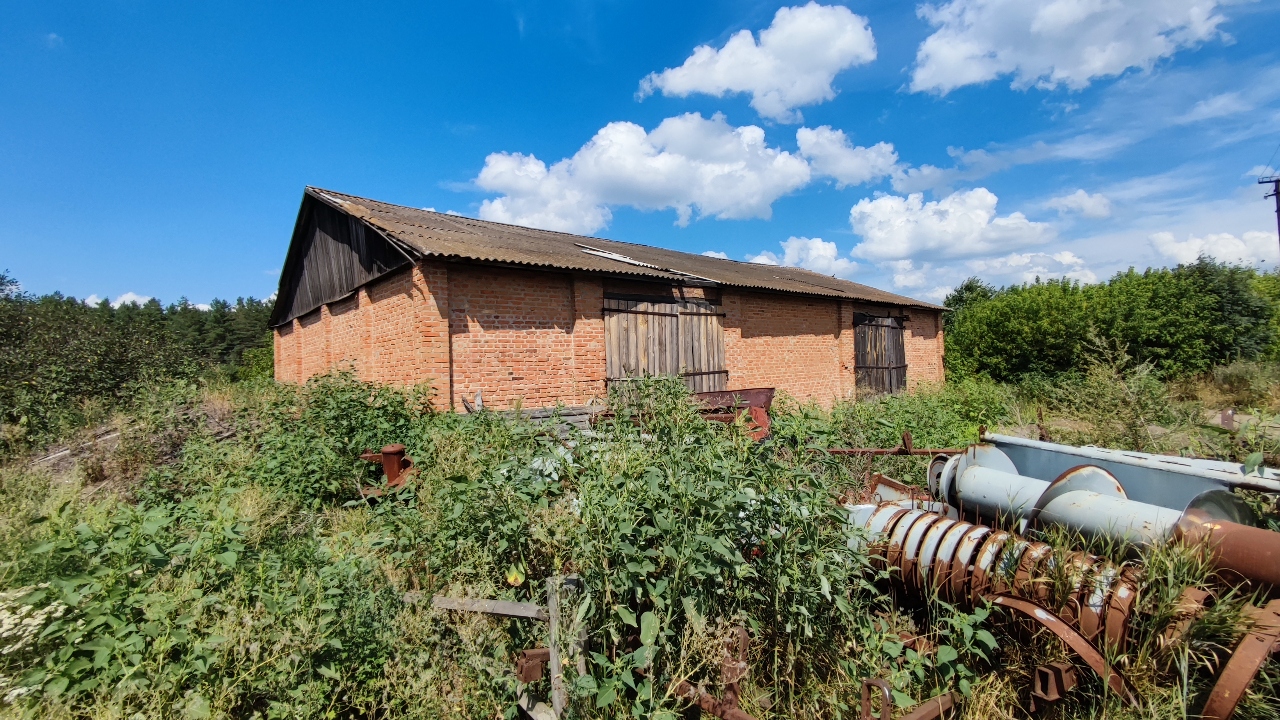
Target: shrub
(1182, 321)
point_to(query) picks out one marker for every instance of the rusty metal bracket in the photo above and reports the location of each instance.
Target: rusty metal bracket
(881, 489)
(530, 664)
(1191, 605)
(1050, 683)
(1074, 640)
(722, 709)
(732, 670)
(1245, 662)
(727, 405)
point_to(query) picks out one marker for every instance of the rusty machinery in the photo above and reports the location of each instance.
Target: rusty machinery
(953, 546)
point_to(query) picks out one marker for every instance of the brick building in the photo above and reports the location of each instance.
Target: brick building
(400, 295)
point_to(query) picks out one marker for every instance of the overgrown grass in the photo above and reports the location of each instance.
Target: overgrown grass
(218, 562)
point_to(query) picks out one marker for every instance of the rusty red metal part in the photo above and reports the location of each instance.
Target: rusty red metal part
(932, 708)
(1190, 606)
(886, 699)
(906, 448)
(1074, 640)
(722, 709)
(530, 664)
(1248, 552)
(732, 670)
(963, 563)
(1248, 658)
(394, 463)
(727, 405)
(881, 489)
(1050, 683)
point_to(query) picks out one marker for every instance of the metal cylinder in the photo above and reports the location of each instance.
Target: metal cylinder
(997, 494)
(1250, 552)
(1107, 516)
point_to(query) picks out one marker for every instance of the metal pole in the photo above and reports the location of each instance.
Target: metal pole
(1274, 182)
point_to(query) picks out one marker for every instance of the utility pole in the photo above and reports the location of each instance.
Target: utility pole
(1274, 182)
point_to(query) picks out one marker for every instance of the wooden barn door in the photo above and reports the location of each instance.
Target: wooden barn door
(880, 358)
(702, 347)
(683, 338)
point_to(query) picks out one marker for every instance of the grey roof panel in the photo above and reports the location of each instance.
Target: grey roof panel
(454, 236)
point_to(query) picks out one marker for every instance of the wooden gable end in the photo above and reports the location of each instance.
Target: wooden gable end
(331, 255)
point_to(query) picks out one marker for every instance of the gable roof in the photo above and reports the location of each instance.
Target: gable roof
(425, 233)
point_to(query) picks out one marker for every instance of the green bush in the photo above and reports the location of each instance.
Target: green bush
(1182, 321)
(1036, 328)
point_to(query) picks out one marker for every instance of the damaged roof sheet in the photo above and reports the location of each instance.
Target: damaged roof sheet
(453, 236)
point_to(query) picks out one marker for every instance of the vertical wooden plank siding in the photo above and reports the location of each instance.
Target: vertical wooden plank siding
(880, 355)
(682, 338)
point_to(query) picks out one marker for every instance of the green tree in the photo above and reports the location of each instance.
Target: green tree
(1032, 328)
(968, 293)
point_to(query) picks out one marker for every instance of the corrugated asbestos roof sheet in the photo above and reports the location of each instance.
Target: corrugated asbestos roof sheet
(453, 236)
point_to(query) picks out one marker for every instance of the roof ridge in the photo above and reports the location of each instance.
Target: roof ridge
(503, 241)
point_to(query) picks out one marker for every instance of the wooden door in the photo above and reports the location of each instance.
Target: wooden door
(880, 358)
(702, 347)
(681, 338)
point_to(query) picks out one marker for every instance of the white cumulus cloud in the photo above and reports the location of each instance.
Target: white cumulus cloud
(1051, 43)
(962, 224)
(813, 254)
(1091, 206)
(908, 275)
(1251, 248)
(716, 254)
(688, 163)
(793, 64)
(830, 153)
(129, 298)
(1026, 267)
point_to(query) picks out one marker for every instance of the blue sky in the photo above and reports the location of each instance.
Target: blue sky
(161, 149)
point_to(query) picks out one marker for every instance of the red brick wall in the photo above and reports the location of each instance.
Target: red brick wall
(390, 331)
(588, 339)
(349, 334)
(286, 353)
(783, 341)
(407, 330)
(535, 338)
(923, 343)
(313, 344)
(512, 335)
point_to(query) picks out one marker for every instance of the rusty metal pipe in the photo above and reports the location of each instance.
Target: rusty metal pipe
(1250, 552)
(932, 709)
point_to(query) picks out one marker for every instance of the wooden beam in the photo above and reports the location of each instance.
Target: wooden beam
(491, 607)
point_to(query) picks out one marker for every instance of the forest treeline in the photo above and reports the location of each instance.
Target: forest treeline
(1182, 321)
(64, 363)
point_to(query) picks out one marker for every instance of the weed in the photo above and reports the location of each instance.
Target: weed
(242, 576)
